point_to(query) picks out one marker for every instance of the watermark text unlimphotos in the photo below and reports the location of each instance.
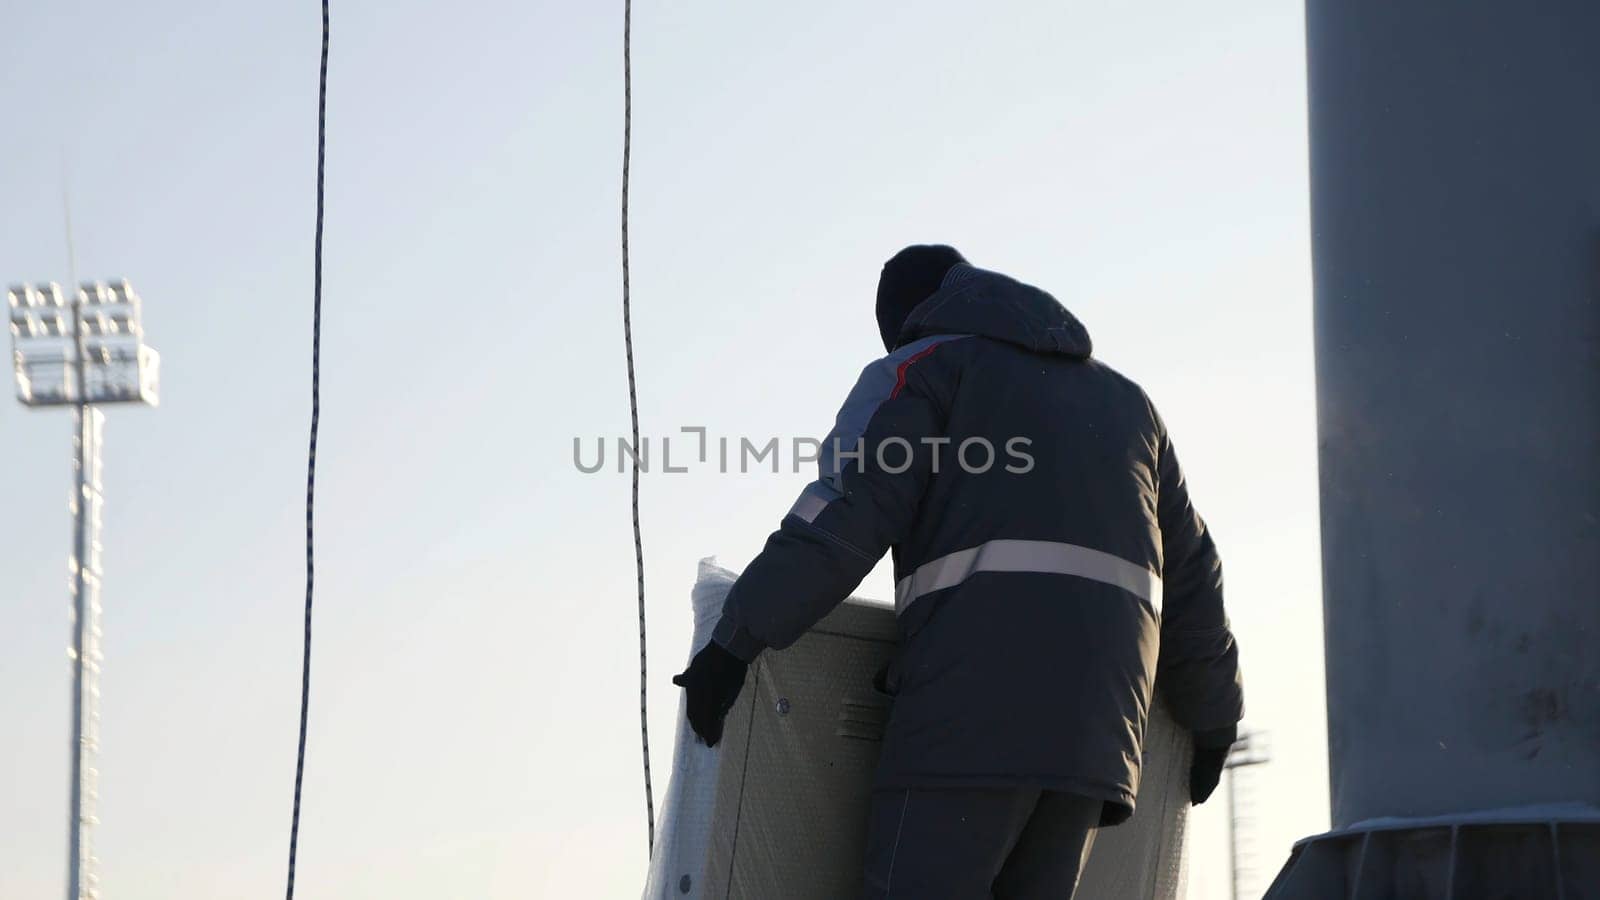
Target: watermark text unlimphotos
(694, 449)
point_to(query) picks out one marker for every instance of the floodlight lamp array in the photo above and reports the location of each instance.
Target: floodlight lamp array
(85, 348)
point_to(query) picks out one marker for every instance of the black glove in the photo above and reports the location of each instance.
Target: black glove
(713, 681)
(1210, 755)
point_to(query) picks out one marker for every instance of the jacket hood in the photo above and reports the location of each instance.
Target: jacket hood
(977, 301)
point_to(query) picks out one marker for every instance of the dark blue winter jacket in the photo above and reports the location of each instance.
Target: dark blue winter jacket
(1049, 566)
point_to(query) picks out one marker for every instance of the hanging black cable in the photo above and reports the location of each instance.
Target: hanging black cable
(311, 453)
(633, 410)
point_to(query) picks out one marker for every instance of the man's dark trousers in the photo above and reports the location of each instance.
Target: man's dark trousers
(978, 843)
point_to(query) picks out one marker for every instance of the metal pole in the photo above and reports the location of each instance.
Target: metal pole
(79, 618)
(85, 506)
(1233, 837)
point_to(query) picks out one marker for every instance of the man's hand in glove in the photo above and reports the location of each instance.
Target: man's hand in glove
(1210, 754)
(712, 682)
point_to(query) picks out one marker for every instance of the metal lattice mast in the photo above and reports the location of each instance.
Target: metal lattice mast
(1249, 750)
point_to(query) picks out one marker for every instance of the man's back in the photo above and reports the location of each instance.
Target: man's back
(1049, 571)
(1028, 493)
(1030, 598)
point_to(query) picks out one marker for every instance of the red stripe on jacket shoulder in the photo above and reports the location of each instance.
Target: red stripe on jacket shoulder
(900, 372)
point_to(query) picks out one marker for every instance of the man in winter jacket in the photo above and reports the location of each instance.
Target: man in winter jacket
(1049, 568)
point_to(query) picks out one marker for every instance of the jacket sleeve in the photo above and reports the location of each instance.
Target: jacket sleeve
(874, 466)
(1198, 669)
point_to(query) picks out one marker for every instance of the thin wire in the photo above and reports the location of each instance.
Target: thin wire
(311, 453)
(633, 410)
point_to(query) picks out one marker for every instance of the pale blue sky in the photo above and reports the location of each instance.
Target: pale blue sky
(474, 723)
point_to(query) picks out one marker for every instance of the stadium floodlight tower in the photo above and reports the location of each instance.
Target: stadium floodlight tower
(82, 352)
